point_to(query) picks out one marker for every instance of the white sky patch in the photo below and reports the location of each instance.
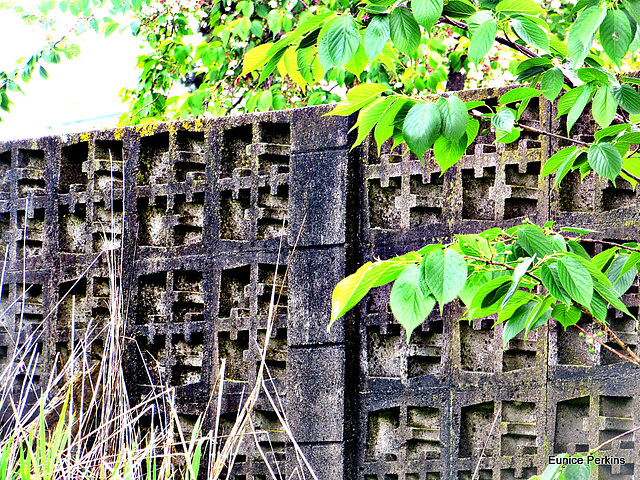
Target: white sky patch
(80, 94)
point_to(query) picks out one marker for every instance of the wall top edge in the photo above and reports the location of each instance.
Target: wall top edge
(204, 124)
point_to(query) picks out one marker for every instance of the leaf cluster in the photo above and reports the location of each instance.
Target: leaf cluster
(524, 276)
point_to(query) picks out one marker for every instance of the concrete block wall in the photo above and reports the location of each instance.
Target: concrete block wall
(200, 208)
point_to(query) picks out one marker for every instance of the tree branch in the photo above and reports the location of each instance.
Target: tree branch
(603, 242)
(593, 337)
(504, 41)
(609, 332)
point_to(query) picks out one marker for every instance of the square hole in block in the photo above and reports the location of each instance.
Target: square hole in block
(266, 278)
(521, 438)
(31, 159)
(154, 159)
(278, 133)
(570, 434)
(233, 298)
(273, 210)
(234, 150)
(428, 208)
(233, 350)
(67, 311)
(475, 424)
(476, 346)
(108, 165)
(382, 203)
(191, 160)
(152, 300)
(423, 426)
(383, 441)
(276, 360)
(72, 229)
(188, 301)
(71, 172)
(617, 413)
(477, 203)
(188, 231)
(188, 356)
(152, 224)
(35, 233)
(107, 224)
(235, 223)
(272, 438)
(384, 357)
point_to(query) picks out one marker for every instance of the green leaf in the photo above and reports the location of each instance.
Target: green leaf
(604, 107)
(43, 72)
(110, 28)
(631, 137)
(448, 152)
(427, 12)
(627, 98)
(358, 97)
(632, 261)
(405, 32)
(376, 36)
(504, 119)
(482, 40)
(530, 33)
(410, 304)
(518, 94)
(551, 83)
(369, 116)
(422, 127)
(517, 322)
(384, 128)
(454, 117)
(474, 245)
(575, 279)
(615, 35)
(541, 315)
(519, 6)
(621, 282)
(581, 33)
(518, 273)
(519, 298)
(590, 74)
(459, 9)
(612, 131)
(603, 258)
(568, 99)
(445, 272)
(567, 315)
(534, 241)
(551, 472)
(533, 62)
(578, 107)
(353, 288)
(611, 296)
(556, 160)
(486, 301)
(338, 46)
(551, 281)
(633, 7)
(255, 58)
(579, 231)
(605, 160)
(580, 471)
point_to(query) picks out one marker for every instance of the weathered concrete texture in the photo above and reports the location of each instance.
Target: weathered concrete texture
(209, 213)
